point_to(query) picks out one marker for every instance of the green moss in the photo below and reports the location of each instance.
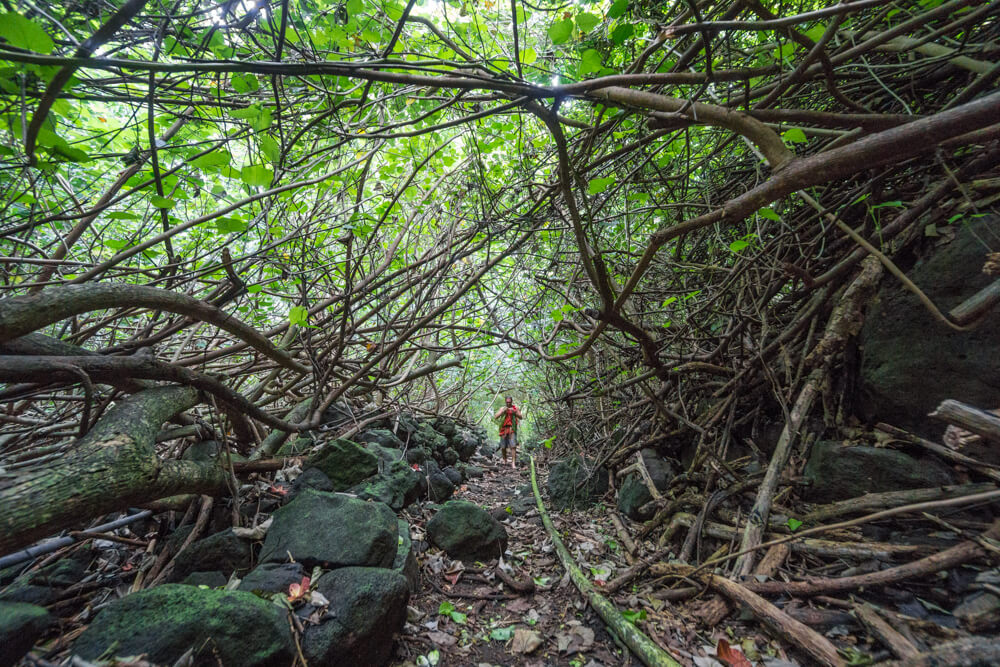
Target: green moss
(238, 627)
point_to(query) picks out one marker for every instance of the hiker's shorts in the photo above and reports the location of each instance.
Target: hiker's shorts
(509, 440)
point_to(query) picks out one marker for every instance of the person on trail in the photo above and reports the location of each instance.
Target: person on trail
(509, 416)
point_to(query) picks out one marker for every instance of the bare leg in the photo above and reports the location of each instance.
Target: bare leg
(513, 457)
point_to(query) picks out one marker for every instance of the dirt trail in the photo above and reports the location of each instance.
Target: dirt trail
(492, 624)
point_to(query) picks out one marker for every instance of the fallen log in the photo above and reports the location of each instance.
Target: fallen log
(641, 646)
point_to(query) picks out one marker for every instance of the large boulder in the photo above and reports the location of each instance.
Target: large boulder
(331, 530)
(20, 627)
(634, 493)
(223, 627)
(574, 483)
(911, 361)
(382, 437)
(466, 531)
(398, 485)
(838, 472)
(367, 605)
(224, 552)
(346, 463)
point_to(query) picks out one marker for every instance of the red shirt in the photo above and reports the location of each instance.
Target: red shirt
(509, 420)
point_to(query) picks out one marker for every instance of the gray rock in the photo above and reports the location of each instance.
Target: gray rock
(449, 456)
(273, 577)
(346, 463)
(332, 530)
(382, 437)
(839, 472)
(367, 605)
(398, 485)
(406, 561)
(311, 478)
(911, 362)
(468, 470)
(20, 627)
(441, 488)
(634, 493)
(573, 483)
(29, 594)
(223, 551)
(425, 436)
(224, 627)
(466, 444)
(466, 531)
(453, 475)
(416, 455)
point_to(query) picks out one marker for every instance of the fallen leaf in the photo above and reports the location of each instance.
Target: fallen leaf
(519, 605)
(730, 656)
(525, 641)
(579, 638)
(298, 591)
(442, 638)
(454, 577)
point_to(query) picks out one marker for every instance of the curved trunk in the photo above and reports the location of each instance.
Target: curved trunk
(112, 467)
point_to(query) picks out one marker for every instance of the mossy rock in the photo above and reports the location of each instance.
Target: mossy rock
(311, 478)
(346, 463)
(223, 627)
(223, 551)
(634, 493)
(367, 606)
(21, 625)
(425, 436)
(416, 455)
(398, 485)
(466, 531)
(332, 530)
(469, 471)
(839, 472)
(574, 483)
(381, 436)
(296, 446)
(208, 450)
(406, 561)
(273, 577)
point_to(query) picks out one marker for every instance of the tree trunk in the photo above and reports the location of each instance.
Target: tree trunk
(112, 467)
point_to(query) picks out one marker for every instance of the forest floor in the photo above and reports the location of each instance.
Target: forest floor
(486, 623)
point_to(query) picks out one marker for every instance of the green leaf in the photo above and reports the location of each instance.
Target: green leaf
(598, 185)
(768, 213)
(502, 634)
(213, 160)
(298, 315)
(528, 56)
(244, 83)
(622, 33)
(230, 225)
(354, 7)
(816, 32)
(794, 135)
(256, 174)
(634, 616)
(20, 32)
(253, 289)
(590, 61)
(270, 148)
(736, 246)
(115, 244)
(587, 21)
(162, 202)
(618, 8)
(561, 31)
(794, 524)
(446, 608)
(122, 215)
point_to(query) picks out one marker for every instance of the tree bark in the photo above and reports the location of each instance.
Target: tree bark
(112, 467)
